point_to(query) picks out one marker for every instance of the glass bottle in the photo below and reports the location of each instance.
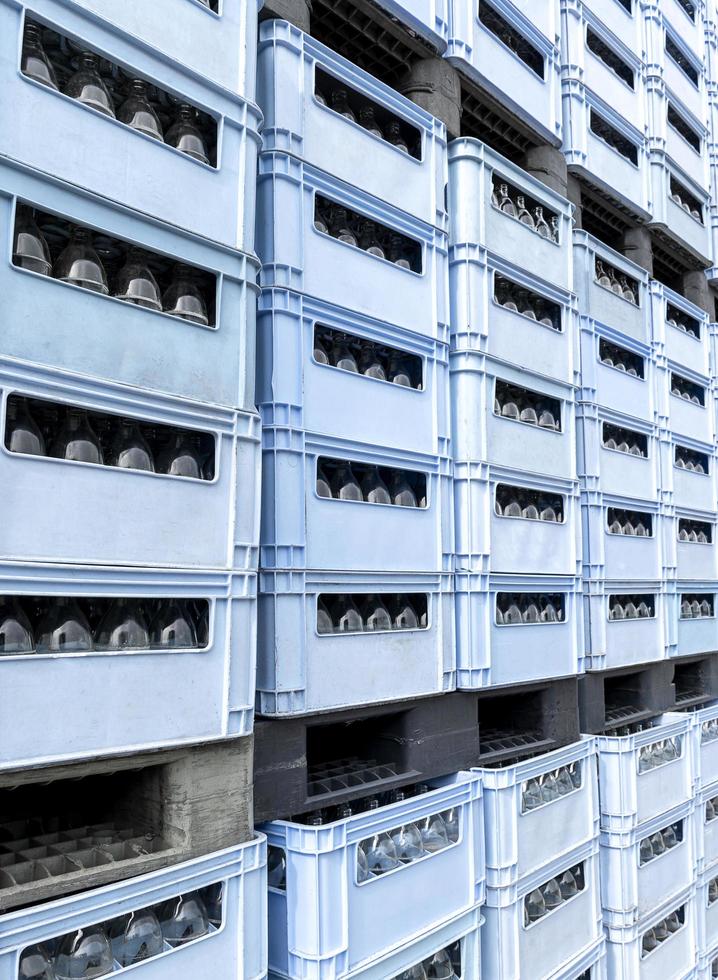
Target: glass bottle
(397, 254)
(626, 290)
(531, 797)
(323, 488)
(547, 511)
(340, 103)
(547, 419)
(564, 783)
(344, 484)
(84, 955)
(87, 86)
(16, 636)
(601, 275)
(183, 919)
(172, 627)
(183, 298)
(347, 618)
(534, 907)
(213, 896)
(137, 112)
(374, 489)
(529, 511)
(567, 885)
(670, 837)
(394, 136)
(439, 966)
(541, 224)
(645, 851)
(319, 351)
(276, 868)
(185, 136)
(324, 620)
(136, 937)
(416, 972)
(408, 843)
(180, 458)
(369, 240)
(35, 63)
(63, 628)
(451, 822)
(523, 214)
(555, 230)
(79, 264)
(648, 943)
(405, 617)
(375, 614)
(363, 873)
(549, 787)
(342, 357)
(339, 227)
(370, 363)
(136, 284)
(36, 964)
(123, 627)
(321, 221)
(551, 892)
(530, 613)
(400, 371)
(77, 440)
(402, 495)
(505, 202)
(380, 850)
(130, 449)
(367, 119)
(22, 433)
(30, 249)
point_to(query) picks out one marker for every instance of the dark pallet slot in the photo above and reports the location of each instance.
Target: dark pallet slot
(616, 698)
(695, 680)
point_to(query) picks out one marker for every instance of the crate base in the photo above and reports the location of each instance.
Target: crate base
(612, 698)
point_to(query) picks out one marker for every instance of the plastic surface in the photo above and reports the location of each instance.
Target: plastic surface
(235, 951)
(685, 417)
(623, 642)
(60, 511)
(600, 303)
(297, 256)
(613, 388)
(692, 635)
(680, 347)
(300, 671)
(707, 910)
(326, 923)
(510, 950)
(688, 490)
(294, 389)
(301, 529)
(670, 216)
(706, 830)
(686, 159)
(296, 122)
(617, 557)
(589, 965)
(518, 841)
(429, 18)
(125, 165)
(704, 745)
(46, 319)
(491, 654)
(612, 471)
(629, 798)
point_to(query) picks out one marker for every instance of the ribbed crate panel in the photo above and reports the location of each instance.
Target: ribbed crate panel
(519, 841)
(611, 387)
(127, 166)
(633, 890)
(326, 922)
(688, 161)
(628, 797)
(297, 256)
(510, 950)
(612, 471)
(234, 951)
(300, 671)
(480, 434)
(600, 303)
(622, 642)
(707, 911)
(480, 322)
(477, 52)
(429, 18)
(301, 529)
(684, 417)
(706, 830)
(680, 347)
(60, 511)
(589, 965)
(128, 700)
(490, 654)
(620, 556)
(670, 217)
(675, 957)
(673, 16)
(296, 122)
(707, 970)
(45, 320)
(705, 747)
(591, 157)
(693, 560)
(487, 541)
(294, 389)
(475, 221)
(688, 490)
(691, 635)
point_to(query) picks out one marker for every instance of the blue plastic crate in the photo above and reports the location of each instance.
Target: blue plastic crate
(611, 471)
(706, 826)
(688, 489)
(676, 956)
(589, 965)
(704, 740)
(290, 65)
(489, 541)
(237, 950)
(297, 256)
(631, 890)
(609, 386)
(127, 166)
(688, 559)
(327, 922)
(689, 635)
(295, 389)
(689, 28)
(613, 642)
(630, 794)
(677, 387)
(533, 94)
(670, 217)
(428, 18)
(128, 700)
(480, 434)
(300, 670)
(494, 654)
(619, 556)
(599, 302)
(681, 330)
(522, 837)
(475, 220)
(708, 963)
(60, 511)
(511, 950)
(689, 162)
(45, 320)
(707, 910)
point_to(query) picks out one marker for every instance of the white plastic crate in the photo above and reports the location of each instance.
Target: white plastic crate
(476, 51)
(612, 642)
(46, 320)
(300, 670)
(481, 434)
(235, 950)
(475, 220)
(301, 529)
(670, 314)
(589, 965)
(326, 921)
(688, 161)
(706, 825)
(493, 654)
(125, 165)
(676, 956)
(688, 489)
(127, 700)
(684, 417)
(489, 541)
(297, 256)
(611, 387)
(613, 471)
(670, 217)
(522, 837)
(707, 909)
(673, 16)
(690, 635)
(632, 890)
(618, 556)
(510, 950)
(630, 797)
(291, 66)
(693, 560)
(429, 18)
(704, 740)
(600, 303)
(708, 965)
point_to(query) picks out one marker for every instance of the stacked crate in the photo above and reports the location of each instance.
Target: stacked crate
(129, 311)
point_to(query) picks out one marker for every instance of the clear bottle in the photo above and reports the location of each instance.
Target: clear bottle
(505, 202)
(546, 418)
(523, 214)
(347, 618)
(440, 967)
(627, 291)
(397, 253)
(22, 433)
(276, 868)
(185, 136)
(130, 450)
(77, 440)
(375, 614)
(87, 86)
(342, 357)
(339, 226)
(35, 63)
(137, 112)
(602, 276)
(180, 457)
(552, 897)
(408, 843)
(549, 787)
(183, 297)
(555, 228)
(529, 511)
(530, 612)
(79, 264)
(319, 351)
(323, 487)
(534, 907)
(402, 494)
(380, 850)
(542, 227)
(172, 627)
(670, 837)
(434, 836)
(367, 119)
(373, 487)
(325, 623)
(394, 136)
(36, 964)
(370, 363)
(531, 797)
(451, 819)
(136, 283)
(405, 617)
(564, 783)
(136, 937)
(369, 240)
(645, 851)
(400, 371)
(648, 942)
(547, 511)
(344, 484)
(16, 635)
(416, 972)
(84, 955)
(213, 898)
(123, 627)
(339, 100)
(183, 919)
(30, 248)
(63, 628)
